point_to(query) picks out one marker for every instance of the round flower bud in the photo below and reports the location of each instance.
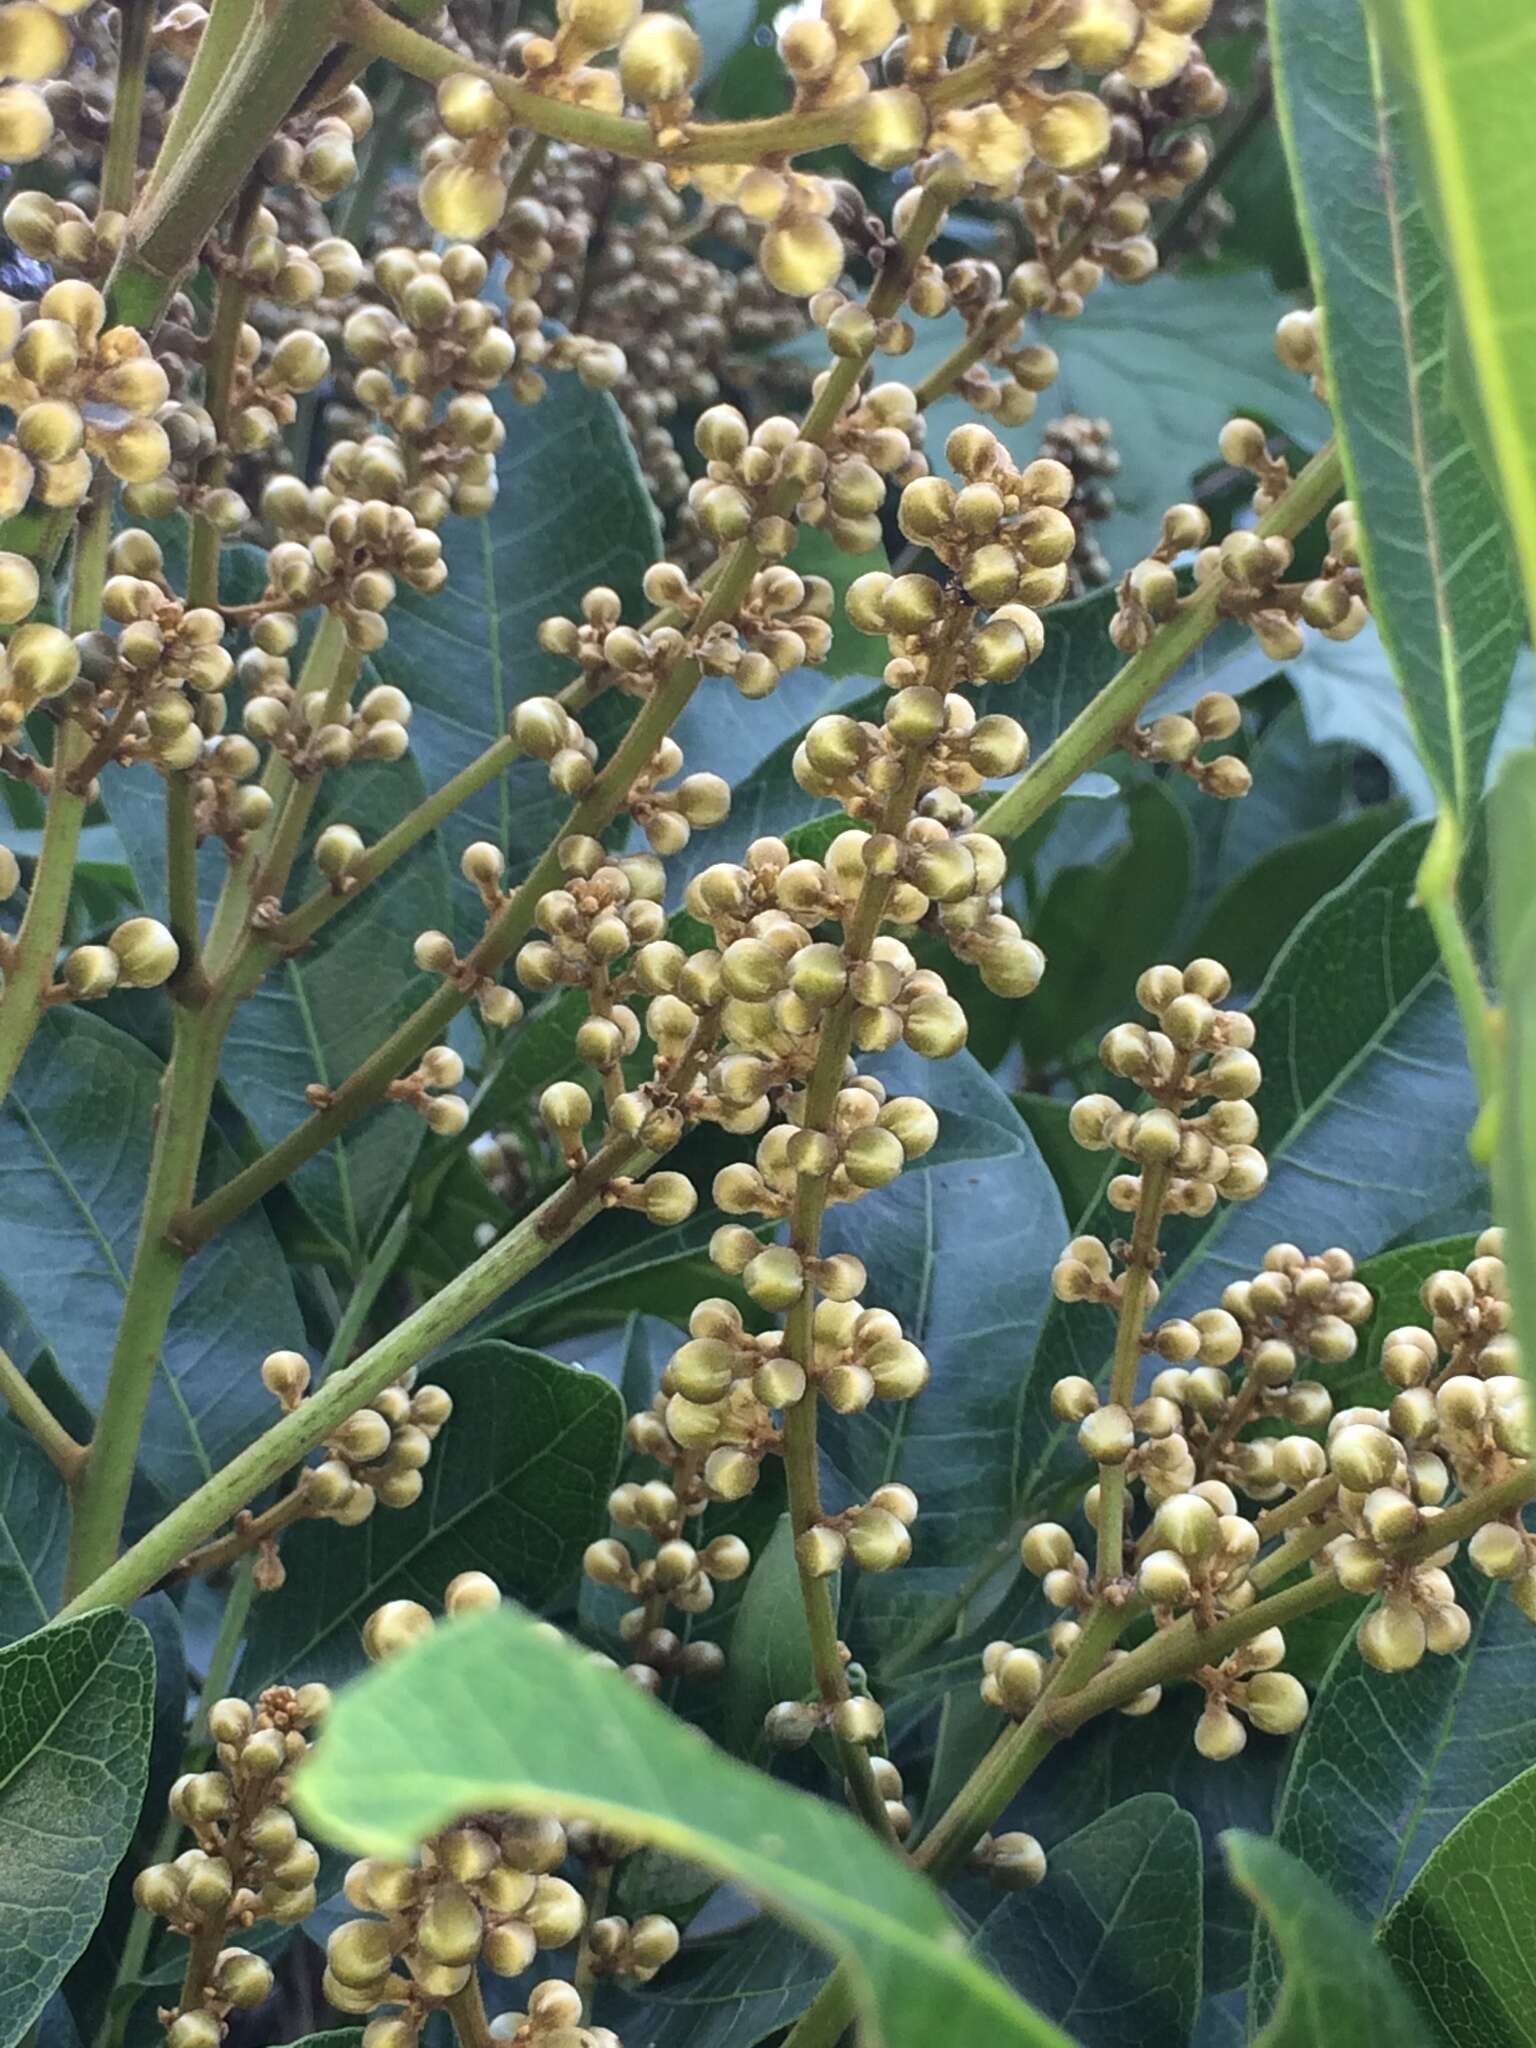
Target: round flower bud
(566, 1107)
(1014, 1862)
(1047, 1547)
(659, 59)
(1107, 1436)
(1392, 1636)
(394, 1627)
(146, 953)
(1363, 1456)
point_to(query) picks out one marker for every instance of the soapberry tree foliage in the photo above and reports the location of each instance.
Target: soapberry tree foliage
(767, 1125)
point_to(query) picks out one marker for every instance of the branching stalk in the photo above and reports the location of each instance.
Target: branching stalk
(1098, 727)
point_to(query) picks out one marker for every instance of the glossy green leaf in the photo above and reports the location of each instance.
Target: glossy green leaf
(1258, 910)
(961, 1251)
(536, 1726)
(1338, 1986)
(78, 1126)
(1442, 580)
(321, 1011)
(1117, 1759)
(76, 1709)
(1466, 71)
(517, 1486)
(1099, 926)
(1383, 1770)
(731, 1993)
(1460, 1934)
(566, 469)
(1514, 907)
(1365, 1072)
(1108, 1945)
(34, 1534)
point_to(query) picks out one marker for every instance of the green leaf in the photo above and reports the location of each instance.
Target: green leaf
(517, 1486)
(1514, 908)
(323, 1010)
(1365, 1072)
(1167, 363)
(770, 1653)
(1109, 1944)
(1382, 1770)
(1442, 582)
(732, 1993)
(78, 1126)
(76, 1708)
(536, 1726)
(571, 511)
(1467, 73)
(1460, 1936)
(962, 1252)
(1099, 926)
(1338, 1986)
(1078, 1174)
(1259, 909)
(34, 1534)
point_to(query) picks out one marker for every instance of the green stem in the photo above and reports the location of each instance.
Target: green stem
(181, 1117)
(301, 924)
(1141, 1261)
(294, 1436)
(366, 1292)
(191, 187)
(223, 32)
(1439, 873)
(715, 142)
(33, 1413)
(119, 167)
(331, 666)
(1097, 729)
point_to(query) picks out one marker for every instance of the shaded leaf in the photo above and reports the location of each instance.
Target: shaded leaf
(770, 1652)
(321, 1011)
(517, 1486)
(1338, 1986)
(391, 1767)
(1514, 848)
(1459, 1934)
(1442, 582)
(1259, 909)
(74, 1748)
(1109, 1944)
(727, 1994)
(1382, 1770)
(565, 468)
(79, 1123)
(34, 1534)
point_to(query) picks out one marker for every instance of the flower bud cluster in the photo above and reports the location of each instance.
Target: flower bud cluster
(248, 1862)
(348, 553)
(1248, 569)
(78, 388)
(309, 733)
(1195, 1052)
(140, 953)
(375, 1458)
(1458, 1421)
